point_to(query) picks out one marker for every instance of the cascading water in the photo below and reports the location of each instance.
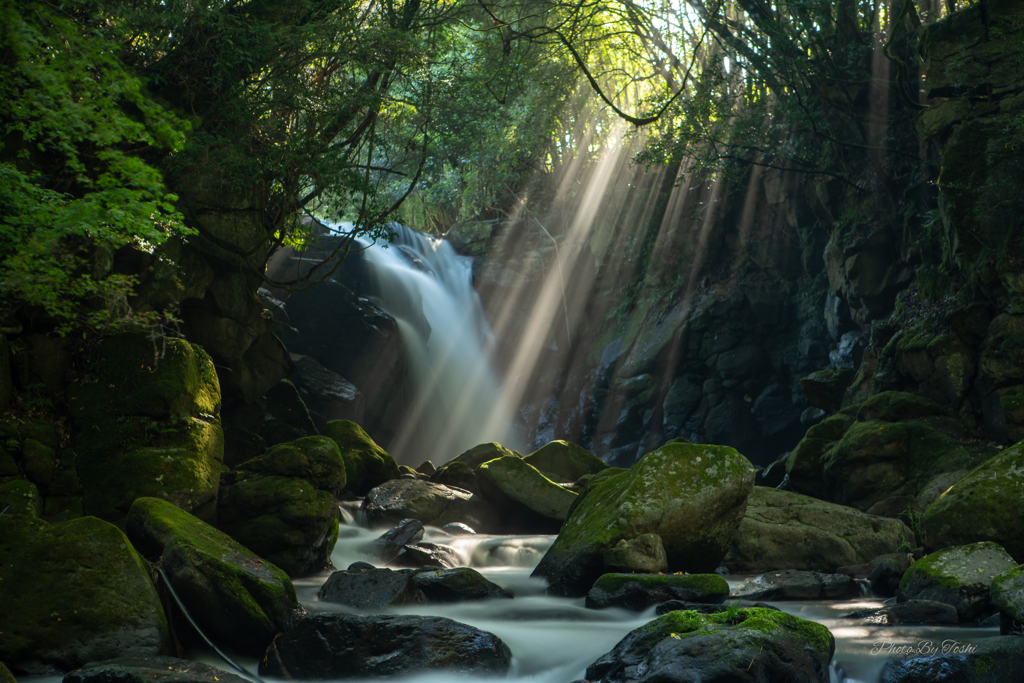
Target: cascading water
(422, 283)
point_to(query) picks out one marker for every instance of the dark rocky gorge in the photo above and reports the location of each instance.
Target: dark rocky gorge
(780, 467)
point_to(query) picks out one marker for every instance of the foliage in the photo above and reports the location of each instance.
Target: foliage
(72, 179)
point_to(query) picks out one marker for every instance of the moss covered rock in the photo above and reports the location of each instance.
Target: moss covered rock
(366, 464)
(960, 576)
(645, 554)
(692, 496)
(986, 505)
(743, 645)
(1007, 592)
(640, 591)
(237, 597)
(285, 520)
(316, 459)
(23, 498)
(785, 530)
(563, 461)
(479, 454)
(82, 594)
(146, 421)
(510, 481)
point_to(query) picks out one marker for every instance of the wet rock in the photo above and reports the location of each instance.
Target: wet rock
(908, 613)
(640, 591)
(986, 505)
(785, 530)
(333, 646)
(1007, 593)
(235, 596)
(61, 611)
(327, 395)
(367, 465)
(457, 529)
(511, 483)
(981, 660)
(150, 670)
(429, 555)
(960, 576)
(393, 541)
(283, 506)
(798, 585)
(745, 646)
(885, 578)
(562, 461)
(459, 584)
(645, 554)
(432, 504)
(372, 589)
(457, 475)
(692, 496)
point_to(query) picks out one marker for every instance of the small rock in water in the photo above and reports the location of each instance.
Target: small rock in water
(791, 584)
(640, 591)
(457, 585)
(332, 646)
(394, 540)
(910, 612)
(428, 555)
(150, 670)
(372, 589)
(457, 529)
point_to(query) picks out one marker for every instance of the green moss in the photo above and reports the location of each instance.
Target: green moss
(366, 464)
(766, 621)
(316, 459)
(513, 478)
(565, 461)
(707, 585)
(485, 452)
(893, 406)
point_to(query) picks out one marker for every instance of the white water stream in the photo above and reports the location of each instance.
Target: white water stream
(422, 283)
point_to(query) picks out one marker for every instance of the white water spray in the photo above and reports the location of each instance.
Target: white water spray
(428, 289)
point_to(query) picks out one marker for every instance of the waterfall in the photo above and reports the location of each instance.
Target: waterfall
(422, 283)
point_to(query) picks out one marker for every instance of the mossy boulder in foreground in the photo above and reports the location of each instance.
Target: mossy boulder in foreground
(73, 593)
(334, 646)
(986, 505)
(235, 596)
(693, 496)
(640, 591)
(366, 464)
(959, 576)
(282, 505)
(734, 646)
(786, 530)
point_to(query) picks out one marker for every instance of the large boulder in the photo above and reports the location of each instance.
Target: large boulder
(734, 646)
(1007, 592)
(147, 425)
(333, 646)
(979, 660)
(73, 593)
(283, 506)
(430, 503)
(986, 505)
(959, 576)
(640, 591)
(562, 461)
(521, 492)
(692, 496)
(786, 530)
(150, 670)
(366, 464)
(235, 596)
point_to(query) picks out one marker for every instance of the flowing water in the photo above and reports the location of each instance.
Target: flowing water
(428, 288)
(554, 639)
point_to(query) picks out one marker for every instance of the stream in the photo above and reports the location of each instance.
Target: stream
(554, 639)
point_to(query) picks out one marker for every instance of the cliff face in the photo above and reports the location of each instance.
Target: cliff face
(752, 285)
